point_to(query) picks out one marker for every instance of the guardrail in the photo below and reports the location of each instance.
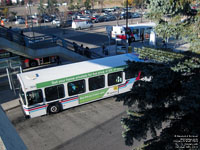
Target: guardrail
(43, 41)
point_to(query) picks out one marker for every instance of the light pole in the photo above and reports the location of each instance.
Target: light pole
(31, 18)
(126, 26)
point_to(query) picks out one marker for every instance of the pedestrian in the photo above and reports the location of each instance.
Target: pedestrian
(81, 50)
(87, 52)
(9, 33)
(129, 41)
(164, 44)
(75, 47)
(106, 51)
(142, 37)
(22, 38)
(103, 48)
(58, 60)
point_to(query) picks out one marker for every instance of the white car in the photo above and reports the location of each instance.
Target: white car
(56, 22)
(20, 21)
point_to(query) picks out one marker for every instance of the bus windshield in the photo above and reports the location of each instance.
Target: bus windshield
(34, 97)
(22, 95)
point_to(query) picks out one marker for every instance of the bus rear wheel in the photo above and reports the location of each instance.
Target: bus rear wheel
(54, 108)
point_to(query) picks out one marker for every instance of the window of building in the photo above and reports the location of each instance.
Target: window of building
(76, 87)
(54, 92)
(34, 97)
(96, 82)
(114, 78)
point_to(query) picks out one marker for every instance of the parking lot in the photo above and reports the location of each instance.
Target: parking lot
(92, 126)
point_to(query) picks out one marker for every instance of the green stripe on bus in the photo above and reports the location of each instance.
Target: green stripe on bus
(79, 77)
(92, 96)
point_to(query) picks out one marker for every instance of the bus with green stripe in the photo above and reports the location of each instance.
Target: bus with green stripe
(50, 90)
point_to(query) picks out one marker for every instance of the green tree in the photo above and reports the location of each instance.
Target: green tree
(52, 7)
(134, 3)
(5, 12)
(170, 99)
(87, 4)
(41, 9)
(176, 18)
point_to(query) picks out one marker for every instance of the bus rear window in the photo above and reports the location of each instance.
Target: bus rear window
(34, 97)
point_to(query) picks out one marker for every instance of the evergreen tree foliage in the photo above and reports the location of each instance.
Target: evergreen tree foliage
(165, 103)
(176, 18)
(167, 98)
(41, 8)
(52, 7)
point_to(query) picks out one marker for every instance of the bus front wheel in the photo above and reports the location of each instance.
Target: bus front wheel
(54, 108)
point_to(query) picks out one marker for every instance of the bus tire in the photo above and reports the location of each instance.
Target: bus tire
(33, 63)
(54, 108)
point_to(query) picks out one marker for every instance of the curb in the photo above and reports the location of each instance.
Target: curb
(10, 105)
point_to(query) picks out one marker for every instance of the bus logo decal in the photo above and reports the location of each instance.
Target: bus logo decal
(127, 83)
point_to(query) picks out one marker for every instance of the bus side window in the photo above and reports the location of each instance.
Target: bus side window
(76, 87)
(114, 78)
(54, 92)
(34, 97)
(96, 82)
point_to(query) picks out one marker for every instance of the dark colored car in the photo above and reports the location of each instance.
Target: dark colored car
(124, 16)
(67, 23)
(94, 17)
(101, 19)
(110, 18)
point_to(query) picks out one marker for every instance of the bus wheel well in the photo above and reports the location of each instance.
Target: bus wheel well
(33, 63)
(54, 108)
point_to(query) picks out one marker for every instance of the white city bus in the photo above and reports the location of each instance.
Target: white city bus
(54, 89)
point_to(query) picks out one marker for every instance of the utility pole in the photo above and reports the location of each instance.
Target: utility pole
(29, 2)
(126, 26)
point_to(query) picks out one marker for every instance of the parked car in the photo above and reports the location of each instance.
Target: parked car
(20, 21)
(46, 18)
(67, 23)
(110, 18)
(5, 19)
(101, 19)
(56, 21)
(81, 17)
(136, 15)
(123, 15)
(81, 24)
